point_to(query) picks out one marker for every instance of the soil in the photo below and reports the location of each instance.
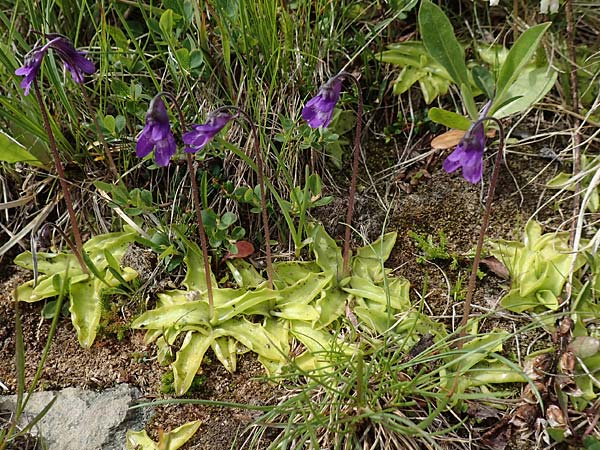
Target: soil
(439, 201)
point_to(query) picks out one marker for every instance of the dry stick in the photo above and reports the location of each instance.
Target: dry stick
(111, 161)
(356, 154)
(484, 224)
(61, 177)
(196, 201)
(261, 182)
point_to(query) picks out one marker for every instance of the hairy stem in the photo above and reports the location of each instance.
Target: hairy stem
(61, 177)
(484, 225)
(355, 160)
(196, 201)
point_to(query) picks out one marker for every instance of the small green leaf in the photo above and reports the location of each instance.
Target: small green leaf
(518, 57)
(166, 23)
(12, 151)
(109, 123)
(449, 119)
(439, 39)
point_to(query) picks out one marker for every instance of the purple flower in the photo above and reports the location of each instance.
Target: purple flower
(30, 69)
(157, 134)
(74, 61)
(318, 111)
(468, 154)
(200, 135)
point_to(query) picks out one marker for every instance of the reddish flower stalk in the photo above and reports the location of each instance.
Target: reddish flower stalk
(200, 135)
(318, 113)
(484, 224)
(61, 177)
(196, 201)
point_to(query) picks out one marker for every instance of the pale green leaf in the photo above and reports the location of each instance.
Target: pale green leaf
(449, 119)
(12, 151)
(518, 57)
(86, 309)
(189, 358)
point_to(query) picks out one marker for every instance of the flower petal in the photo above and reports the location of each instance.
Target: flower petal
(165, 149)
(144, 144)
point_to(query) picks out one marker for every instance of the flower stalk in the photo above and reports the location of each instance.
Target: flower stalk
(318, 113)
(202, 134)
(484, 225)
(61, 177)
(196, 202)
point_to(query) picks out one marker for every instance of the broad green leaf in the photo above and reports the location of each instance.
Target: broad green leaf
(48, 263)
(225, 349)
(12, 151)
(188, 361)
(518, 57)
(244, 273)
(176, 315)
(530, 87)
(296, 311)
(139, 440)
(327, 254)
(304, 290)
(290, 272)
(449, 119)
(249, 300)
(195, 277)
(254, 336)
(86, 309)
(330, 306)
(439, 39)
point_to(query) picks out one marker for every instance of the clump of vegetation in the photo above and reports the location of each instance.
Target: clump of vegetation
(226, 205)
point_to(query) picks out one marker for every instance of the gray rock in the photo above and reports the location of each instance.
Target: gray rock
(82, 419)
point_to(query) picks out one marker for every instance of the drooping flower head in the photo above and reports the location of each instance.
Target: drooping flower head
(468, 154)
(200, 135)
(319, 109)
(157, 134)
(74, 60)
(33, 62)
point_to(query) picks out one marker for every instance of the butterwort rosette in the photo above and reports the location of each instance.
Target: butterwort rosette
(74, 60)
(468, 154)
(157, 134)
(319, 109)
(202, 134)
